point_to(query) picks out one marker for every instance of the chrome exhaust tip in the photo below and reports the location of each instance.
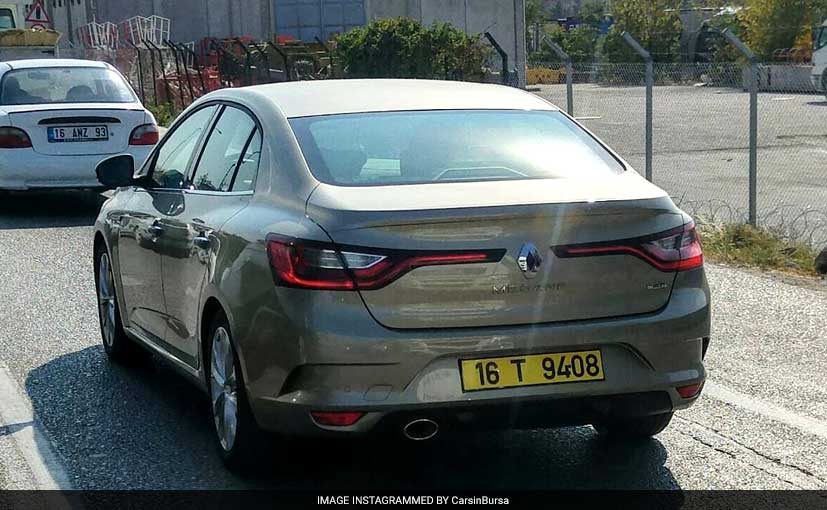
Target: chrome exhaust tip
(420, 430)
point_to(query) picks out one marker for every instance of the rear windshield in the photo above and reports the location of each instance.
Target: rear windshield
(53, 85)
(374, 149)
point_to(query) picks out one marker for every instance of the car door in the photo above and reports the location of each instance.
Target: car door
(142, 241)
(222, 183)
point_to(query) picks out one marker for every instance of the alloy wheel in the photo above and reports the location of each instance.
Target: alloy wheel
(224, 388)
(106, 300)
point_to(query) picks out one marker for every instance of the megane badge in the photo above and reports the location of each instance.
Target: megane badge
(529, 260)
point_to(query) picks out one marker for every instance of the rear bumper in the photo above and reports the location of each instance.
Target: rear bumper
(506, 413)
(395, 375)
(24, 169)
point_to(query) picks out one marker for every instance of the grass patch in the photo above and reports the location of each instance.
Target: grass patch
(745, 245)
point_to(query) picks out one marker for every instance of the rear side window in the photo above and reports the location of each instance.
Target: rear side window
(449, 146)
(245, 178)
(223, 151)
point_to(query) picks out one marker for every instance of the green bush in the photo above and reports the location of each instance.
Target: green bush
(404, 48)
(164, 113)
(579, 43)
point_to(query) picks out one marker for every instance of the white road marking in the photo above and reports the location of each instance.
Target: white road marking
(32, 443)
(766, 409)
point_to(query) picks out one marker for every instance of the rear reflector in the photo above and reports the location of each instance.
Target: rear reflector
(324, 266)
(678, 249)
(144, 135)
(13, 138)
(336, 419)
(690, 391)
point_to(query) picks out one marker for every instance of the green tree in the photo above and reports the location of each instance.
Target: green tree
(655, 24)
(774, 24)
(580, 43)
(534, 12)
(591, 12)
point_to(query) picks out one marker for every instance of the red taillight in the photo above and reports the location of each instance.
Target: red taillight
(691, 390)
(322, 266)
(144, 135)
(674, 250)
(13, 138)
(336, 418)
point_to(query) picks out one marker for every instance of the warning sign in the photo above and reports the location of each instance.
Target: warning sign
(37, 14)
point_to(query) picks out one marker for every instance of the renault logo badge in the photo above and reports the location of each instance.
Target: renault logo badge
(529, 260)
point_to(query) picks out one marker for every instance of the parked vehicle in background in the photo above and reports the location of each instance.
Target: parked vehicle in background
(11, 15)
(338, 258)
(819, 76)
(17, 42)
(59, 118)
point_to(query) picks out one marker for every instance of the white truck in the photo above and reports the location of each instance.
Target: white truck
(11, 16)
(819, 76)
(16, 42)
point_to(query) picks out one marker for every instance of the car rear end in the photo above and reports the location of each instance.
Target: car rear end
(489, 269)
(58, 122)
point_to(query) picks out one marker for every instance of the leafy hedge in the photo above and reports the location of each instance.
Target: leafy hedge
(404, 48)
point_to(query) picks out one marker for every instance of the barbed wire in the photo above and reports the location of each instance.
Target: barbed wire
(807, 225)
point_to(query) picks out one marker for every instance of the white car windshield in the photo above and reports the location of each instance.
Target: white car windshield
(56, 85)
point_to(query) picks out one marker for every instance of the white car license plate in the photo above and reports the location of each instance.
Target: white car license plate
(78, 134)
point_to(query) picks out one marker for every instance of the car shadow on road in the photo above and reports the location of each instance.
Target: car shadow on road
(147, 428)
(48, 209)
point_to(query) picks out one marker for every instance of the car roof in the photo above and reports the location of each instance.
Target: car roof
(34, 63)
(327, 97)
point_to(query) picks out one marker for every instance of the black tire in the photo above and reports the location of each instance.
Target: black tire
(118, 346)
(243, 454)
(637, 428)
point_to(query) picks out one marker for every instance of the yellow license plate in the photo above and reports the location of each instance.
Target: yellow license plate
(531, 370)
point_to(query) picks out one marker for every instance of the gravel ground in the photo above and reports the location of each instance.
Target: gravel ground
(701, 140)
(144, 427)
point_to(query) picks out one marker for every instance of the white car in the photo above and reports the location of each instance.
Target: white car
(59, 118)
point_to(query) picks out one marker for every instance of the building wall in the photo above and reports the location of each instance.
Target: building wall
(505, 19)
(195, 19)
(67, 16)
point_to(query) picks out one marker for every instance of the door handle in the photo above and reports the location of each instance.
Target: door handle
(156, 230)
(202, 242)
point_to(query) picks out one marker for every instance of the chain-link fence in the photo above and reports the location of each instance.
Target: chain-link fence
(701, 135)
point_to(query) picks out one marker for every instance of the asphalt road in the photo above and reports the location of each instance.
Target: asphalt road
(762, 422)
(701, 148)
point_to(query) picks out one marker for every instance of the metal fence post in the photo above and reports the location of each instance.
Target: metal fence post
(506, 74)
(755, 79)
(650, 83)
(562, 55)
(140, 70)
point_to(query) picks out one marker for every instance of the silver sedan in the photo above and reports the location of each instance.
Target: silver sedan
(339, 258)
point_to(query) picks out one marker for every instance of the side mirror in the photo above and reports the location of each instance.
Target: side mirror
(117, 171)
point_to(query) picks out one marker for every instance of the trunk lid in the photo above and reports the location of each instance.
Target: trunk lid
(512, 216)
(119, 118)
